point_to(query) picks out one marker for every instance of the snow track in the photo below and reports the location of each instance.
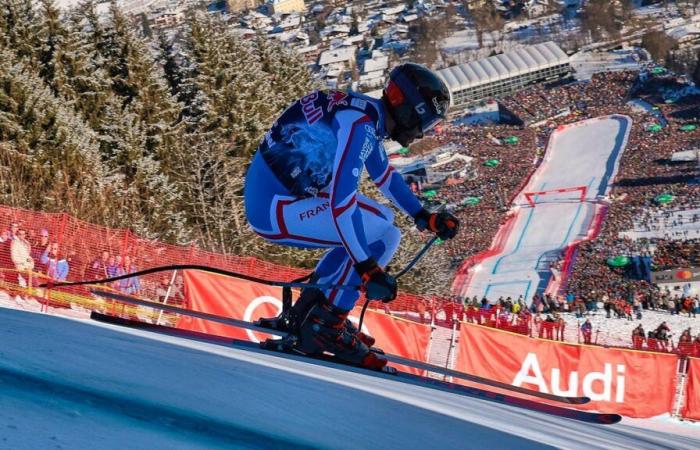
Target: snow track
(73, 384)
(584, 154)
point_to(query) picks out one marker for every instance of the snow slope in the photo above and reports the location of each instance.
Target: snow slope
(76, 384)
(583, 154)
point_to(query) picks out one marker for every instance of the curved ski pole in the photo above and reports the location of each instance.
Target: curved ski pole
(292, 284)
(408, 267)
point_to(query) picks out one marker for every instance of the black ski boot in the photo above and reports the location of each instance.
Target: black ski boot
(364, 338)
(291, 317)
(324, 330)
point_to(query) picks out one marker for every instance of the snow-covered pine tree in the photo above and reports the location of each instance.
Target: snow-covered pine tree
(49, 158)
(288, 75)
(77, 75)
(169, 61)
(51, 35)
(19, 27)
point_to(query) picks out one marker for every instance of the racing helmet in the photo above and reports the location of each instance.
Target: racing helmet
(416, 99)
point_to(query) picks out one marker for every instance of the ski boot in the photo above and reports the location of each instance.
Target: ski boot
(291, 317)
(324, 330)
(364, 338)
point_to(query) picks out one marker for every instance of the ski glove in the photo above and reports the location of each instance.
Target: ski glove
(376, 284)
(442, 223)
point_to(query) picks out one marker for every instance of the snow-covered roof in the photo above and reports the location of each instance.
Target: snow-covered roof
(290, 21)
(378, 62)
(377, 75)
(243, 31)
(353, 39)
(307, 49)
(684, 32)
(506, 65)
(341, 54)
(393, 9)
(344, 29)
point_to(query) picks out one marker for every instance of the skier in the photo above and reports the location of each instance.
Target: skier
(301, 190)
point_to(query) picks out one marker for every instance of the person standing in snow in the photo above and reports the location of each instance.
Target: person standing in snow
(301, 190)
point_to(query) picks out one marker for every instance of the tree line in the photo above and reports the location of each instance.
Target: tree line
(117, 124)
(150, 133)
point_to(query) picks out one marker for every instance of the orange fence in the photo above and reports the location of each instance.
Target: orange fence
(93, 252)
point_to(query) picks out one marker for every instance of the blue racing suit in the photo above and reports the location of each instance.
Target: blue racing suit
(301, 188)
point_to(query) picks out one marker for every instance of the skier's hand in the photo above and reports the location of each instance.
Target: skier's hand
(377, 284)
(442, 223)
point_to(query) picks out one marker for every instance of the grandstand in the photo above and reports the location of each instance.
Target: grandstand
(505, 73)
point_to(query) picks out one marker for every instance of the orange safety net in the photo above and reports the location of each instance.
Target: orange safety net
(52, 241)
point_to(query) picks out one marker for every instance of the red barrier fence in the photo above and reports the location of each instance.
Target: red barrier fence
(616, 380)
(82, 245)
(691, 409)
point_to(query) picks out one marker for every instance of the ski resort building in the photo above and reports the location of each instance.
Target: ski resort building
(434, 168)
(505, 73)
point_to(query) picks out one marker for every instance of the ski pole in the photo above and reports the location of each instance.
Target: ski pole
(408, 267)
(291, 284)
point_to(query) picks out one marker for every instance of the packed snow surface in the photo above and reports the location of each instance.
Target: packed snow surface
(584, 154)
(77, 384)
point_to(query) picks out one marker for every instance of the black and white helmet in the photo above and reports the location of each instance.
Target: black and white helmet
(417, 100)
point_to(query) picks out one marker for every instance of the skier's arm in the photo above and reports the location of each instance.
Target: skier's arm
(347, 167)
(390, 182)
(392, 185)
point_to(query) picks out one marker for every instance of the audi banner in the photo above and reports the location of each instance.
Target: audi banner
(616, 380)
(691, 409)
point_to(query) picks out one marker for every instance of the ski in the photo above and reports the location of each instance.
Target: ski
(391, 358)
(399, 376)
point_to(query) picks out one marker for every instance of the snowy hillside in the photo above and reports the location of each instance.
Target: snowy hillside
(77, 384)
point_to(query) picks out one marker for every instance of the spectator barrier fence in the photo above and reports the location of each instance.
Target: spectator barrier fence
(82, 245)
(691, 408)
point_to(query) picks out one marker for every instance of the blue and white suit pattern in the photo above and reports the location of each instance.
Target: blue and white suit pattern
(301, 188)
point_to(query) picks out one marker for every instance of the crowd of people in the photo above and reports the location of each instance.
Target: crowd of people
(493, 186)
(660, 340)
(28, 259)
(645, 172)
(546, 318)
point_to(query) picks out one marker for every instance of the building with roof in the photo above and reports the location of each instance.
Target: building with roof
(286, 6)
(505, 73)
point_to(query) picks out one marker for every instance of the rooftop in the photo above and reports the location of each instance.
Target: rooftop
(506, 65)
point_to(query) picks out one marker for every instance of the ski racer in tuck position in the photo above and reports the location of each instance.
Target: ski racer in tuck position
(301, 190)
